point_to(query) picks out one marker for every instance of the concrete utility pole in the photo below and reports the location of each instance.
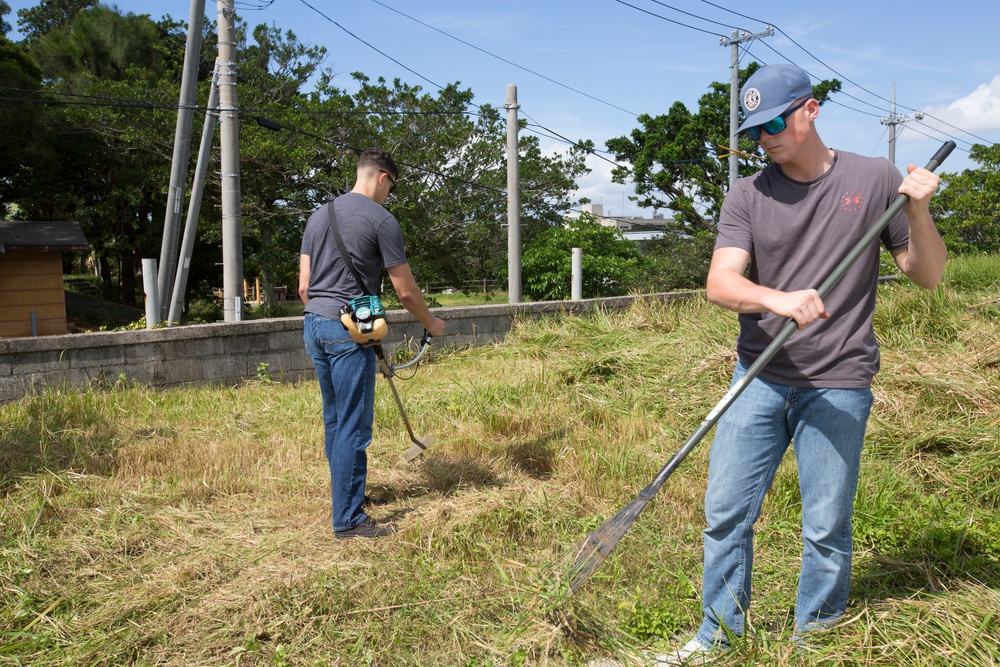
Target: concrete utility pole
(179, 163)
(894, 119)
(194, 205)
(229, 137)
(513, 201)
(734, 92)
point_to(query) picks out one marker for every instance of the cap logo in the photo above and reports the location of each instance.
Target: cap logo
(751, 99)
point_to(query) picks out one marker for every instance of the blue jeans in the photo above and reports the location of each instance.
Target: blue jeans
(827, 427)
(346, 374)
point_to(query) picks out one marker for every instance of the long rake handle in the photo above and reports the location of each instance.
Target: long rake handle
(824, 289)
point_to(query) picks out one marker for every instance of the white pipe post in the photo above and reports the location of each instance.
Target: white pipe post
(513, 201)
(182, 151)
(576, 291)
(149, 286)
(229, 137)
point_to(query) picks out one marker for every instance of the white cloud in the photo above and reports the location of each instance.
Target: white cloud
(979, 111)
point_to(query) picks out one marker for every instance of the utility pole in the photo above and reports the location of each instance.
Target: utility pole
(513, 201)
(194, 205)
(734, 92)
(179, 162)
(894, 119)
(229, 137)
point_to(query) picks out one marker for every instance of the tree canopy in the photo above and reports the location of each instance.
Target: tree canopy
(967, 209)
(673, 161)
(103, 117)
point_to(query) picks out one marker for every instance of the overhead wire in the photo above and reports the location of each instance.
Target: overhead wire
(659, 16)
(845, 78)
(701, 18)
(253, 5)
(374, 48)
(502, 59)
(124, 103)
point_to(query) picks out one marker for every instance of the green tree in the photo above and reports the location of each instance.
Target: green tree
(111, 153)
(672, 158)
(451, 195)
(4, 25)
(48, 15)
(612, 265)
(109, 161)
(676, 262)
(967, 210)
(22, 139)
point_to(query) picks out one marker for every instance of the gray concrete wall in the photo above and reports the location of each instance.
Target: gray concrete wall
(229, 353)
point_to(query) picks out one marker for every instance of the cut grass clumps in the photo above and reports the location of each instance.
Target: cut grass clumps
(192, 526)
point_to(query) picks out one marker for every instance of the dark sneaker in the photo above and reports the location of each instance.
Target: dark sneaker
(367, 528)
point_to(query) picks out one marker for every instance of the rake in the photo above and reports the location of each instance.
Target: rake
(418, 445)
(599, 543)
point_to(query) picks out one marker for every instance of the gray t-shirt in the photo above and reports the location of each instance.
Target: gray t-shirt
(797, 234)
(373, 240)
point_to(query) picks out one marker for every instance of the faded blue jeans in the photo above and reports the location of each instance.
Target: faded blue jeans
(346, 374)
(827, 429)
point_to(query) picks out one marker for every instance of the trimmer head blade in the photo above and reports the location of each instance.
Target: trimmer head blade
(418, 447)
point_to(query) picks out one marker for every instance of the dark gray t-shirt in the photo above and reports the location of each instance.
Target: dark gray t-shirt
(373, 239)
(797, 234)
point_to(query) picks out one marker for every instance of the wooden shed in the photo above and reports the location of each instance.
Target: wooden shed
(32, 300)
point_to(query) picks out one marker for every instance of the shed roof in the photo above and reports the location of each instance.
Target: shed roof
(41, 236)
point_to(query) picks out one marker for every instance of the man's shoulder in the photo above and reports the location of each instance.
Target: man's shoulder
(856, 161)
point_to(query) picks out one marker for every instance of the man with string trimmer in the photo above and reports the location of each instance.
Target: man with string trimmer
(333, 273)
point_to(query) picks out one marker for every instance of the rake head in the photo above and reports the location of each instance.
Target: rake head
(599, 544)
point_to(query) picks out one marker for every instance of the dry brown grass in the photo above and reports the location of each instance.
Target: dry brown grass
(192, 526)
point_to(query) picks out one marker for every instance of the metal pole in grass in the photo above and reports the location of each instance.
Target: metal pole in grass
(599, 544)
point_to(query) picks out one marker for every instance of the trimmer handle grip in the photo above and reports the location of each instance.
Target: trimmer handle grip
(941, 155)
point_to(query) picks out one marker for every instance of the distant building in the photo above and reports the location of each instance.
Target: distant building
(632, 228)
(31, 276)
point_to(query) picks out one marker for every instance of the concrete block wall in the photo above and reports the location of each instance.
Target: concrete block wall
(232, 352)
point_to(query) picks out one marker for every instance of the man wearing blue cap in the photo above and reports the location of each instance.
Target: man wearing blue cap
(791, 224)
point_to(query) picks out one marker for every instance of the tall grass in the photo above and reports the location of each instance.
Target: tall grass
(191, 527)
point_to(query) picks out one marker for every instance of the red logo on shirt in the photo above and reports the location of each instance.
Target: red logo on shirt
(852, 201)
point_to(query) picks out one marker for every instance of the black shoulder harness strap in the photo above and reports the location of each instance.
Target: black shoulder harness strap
(343, 252)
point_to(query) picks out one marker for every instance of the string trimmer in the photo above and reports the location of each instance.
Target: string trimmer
(419, 445)
(598, 544)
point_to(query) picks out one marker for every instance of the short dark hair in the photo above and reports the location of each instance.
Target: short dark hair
(379, 160)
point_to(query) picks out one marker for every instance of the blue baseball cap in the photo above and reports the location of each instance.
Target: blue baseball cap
(771, 91)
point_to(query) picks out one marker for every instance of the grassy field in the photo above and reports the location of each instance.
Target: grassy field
(191, 527)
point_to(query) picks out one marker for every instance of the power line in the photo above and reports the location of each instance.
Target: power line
(818, 78)
(502, 59)
(702, 18)
(253, 5)
(120, 102)
(845, 78)
(664, 18)
(374, 48)
(939, 131)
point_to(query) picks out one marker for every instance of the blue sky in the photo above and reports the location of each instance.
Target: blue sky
(596, 64)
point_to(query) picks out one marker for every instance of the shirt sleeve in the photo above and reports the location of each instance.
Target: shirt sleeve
(734, 220)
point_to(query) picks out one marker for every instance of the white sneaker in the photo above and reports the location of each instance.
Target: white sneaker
(692, 653)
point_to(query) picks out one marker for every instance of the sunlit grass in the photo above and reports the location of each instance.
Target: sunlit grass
(191, 526)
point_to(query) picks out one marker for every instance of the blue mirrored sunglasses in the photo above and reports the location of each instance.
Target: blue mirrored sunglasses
(774, 125)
